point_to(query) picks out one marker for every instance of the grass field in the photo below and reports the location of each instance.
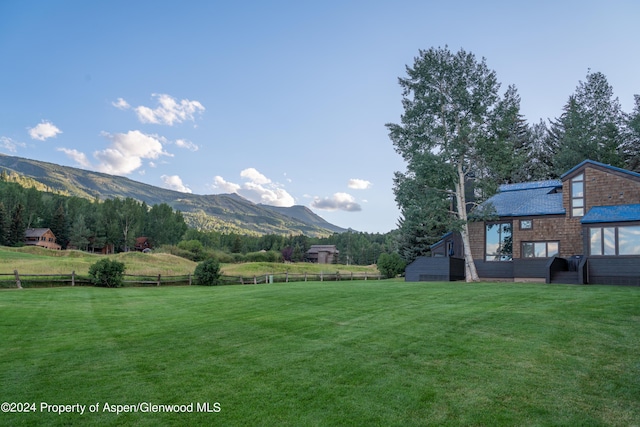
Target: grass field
(34, 260)
(376, 353)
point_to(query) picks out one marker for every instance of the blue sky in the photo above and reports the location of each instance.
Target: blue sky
(284, 102)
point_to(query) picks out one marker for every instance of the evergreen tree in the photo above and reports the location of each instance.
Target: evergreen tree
(4, 225)
(17, 227)
(631, 147)
(79, 233)
(591, 126)
(448, 101)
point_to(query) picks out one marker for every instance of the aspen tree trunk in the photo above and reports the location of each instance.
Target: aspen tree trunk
(470, 273)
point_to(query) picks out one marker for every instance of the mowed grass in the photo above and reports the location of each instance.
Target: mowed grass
(374, 353)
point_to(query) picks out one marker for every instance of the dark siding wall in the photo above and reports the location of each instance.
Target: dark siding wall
(426, 269)
(614, 270)
(498, 270)
(530, 268)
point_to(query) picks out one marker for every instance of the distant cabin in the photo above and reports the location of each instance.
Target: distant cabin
(42, 237)
(323, 254)
(142, 244)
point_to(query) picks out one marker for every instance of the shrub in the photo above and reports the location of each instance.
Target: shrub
(107, 273)
(263, 256)
(207, 272)
(390, 265)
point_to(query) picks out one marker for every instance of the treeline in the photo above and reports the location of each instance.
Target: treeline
(355, 247)
(84, 224)
(497, 146)
(81, 223)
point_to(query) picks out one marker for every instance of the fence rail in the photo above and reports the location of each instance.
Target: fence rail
(19, 281)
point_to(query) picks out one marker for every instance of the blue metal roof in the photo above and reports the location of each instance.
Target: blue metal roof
(593, 162)
(441, 239)
(526, 202)
(552, 183)
(621, 213)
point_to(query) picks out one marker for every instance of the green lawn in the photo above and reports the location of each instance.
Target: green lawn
(375, 353)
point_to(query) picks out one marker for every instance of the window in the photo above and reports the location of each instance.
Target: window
(622, 240)
(499, 242)
(629, 240)
(539, 249)
(526, 224)
(577, 195)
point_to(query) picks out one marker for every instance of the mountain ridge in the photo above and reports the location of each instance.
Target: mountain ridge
(220, 212)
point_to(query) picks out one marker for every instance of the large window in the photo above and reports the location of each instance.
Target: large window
(577, 195)
(622, 240)
(539, 249)
(499, 242)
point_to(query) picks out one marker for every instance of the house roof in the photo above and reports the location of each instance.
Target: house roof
(322, 248)
(441, 240)
(35, 232)
(602, 165)
(620, 213)
(526, 199)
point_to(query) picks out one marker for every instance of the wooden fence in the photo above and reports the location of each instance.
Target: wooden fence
(19, 280)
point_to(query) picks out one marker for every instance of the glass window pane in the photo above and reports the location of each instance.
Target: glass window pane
(629, 240)
(552, 249)
(609, 234)
(577, 189)
(577, 203)
(596, 241)
(499, 242)
(577, 212)
(541, 249)
(527, 250)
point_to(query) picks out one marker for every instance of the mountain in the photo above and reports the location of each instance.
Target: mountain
(220, 212)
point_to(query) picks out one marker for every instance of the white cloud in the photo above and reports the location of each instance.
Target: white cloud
(43, 131)
(183, 143)
(359, 184)
(121, 104)
(127, 151)
(339, 201)
(227, 187)
(174, 182)
(258, 189)
(169, 111)
(10, 144)
(77, 156)
(254, 176)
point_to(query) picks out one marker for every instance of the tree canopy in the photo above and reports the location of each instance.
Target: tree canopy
(461, 139)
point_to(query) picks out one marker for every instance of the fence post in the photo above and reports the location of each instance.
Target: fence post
(73, 278)
(305, 276)
(321, 277)
(286, 277)
(189, 279)
(365, 276)
(337, 276)
(255, 281)
(158, 283)
(352, 275)
(18, 284)
(241, 280)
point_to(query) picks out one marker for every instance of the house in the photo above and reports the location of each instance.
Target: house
(142, 244)
(583, 228)
(322, 254)
(42, 237)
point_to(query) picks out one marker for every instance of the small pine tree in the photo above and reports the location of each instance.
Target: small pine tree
(390, 265)
(207, 273)
(107, 273)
